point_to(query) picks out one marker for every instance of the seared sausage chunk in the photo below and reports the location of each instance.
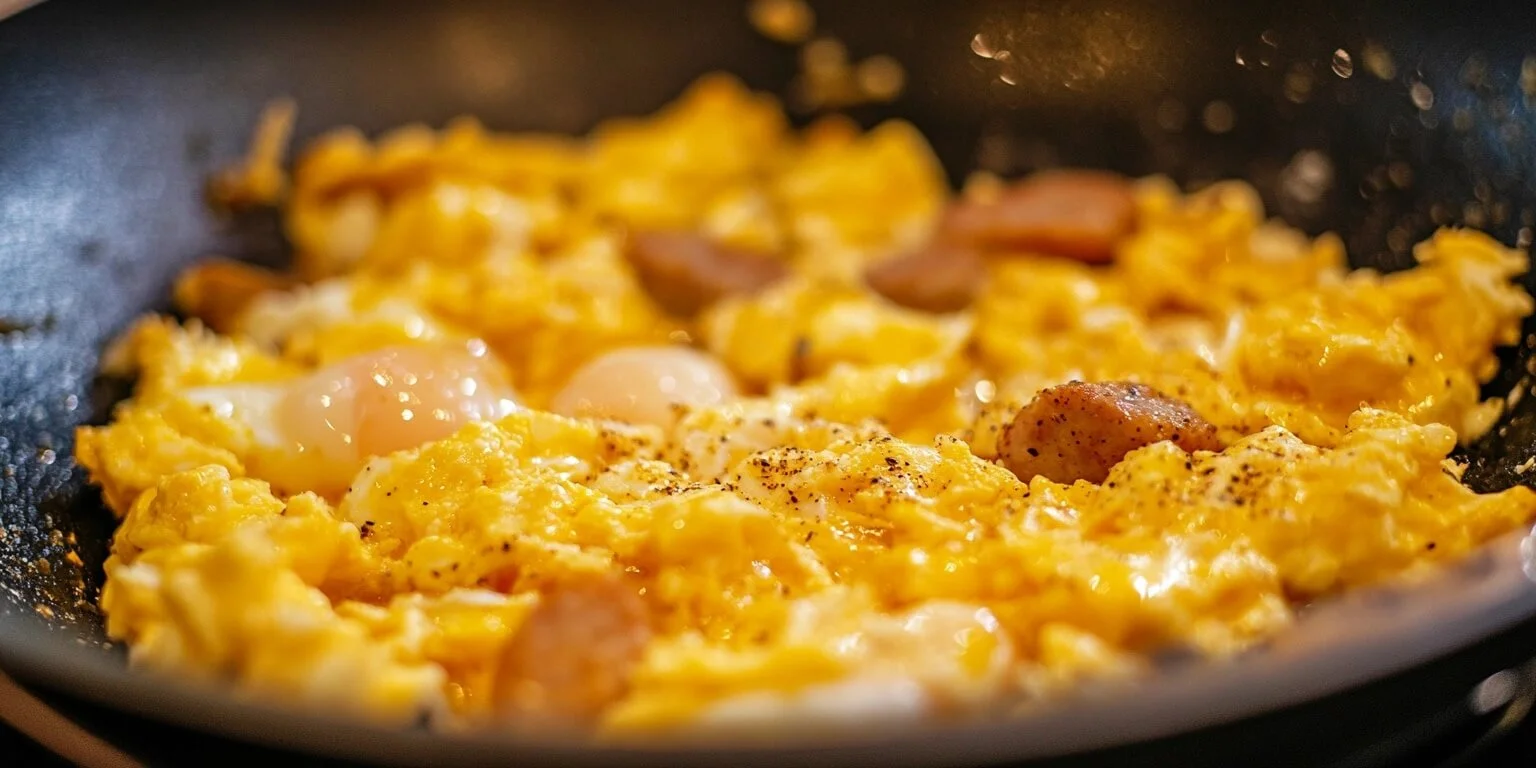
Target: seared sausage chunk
(685, 272)
(1076, 214)
(937, 278)
(1079, 431)
(574, 654)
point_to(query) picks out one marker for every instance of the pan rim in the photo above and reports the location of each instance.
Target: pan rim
(1493, 591)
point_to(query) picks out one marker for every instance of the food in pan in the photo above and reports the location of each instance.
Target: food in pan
(700, 422)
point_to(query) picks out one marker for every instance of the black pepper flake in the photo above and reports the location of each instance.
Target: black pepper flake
(506, 546)
(1033, 451)
(1430, 546)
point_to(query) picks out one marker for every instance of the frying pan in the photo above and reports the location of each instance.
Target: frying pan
(1379, 121)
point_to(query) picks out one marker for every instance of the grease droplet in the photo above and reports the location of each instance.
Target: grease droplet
(1422, 96)
(1217, 117)
(1343, 65)
(1171, 115)
(881, 78)
(786, 21)
(981, 46)
(1378, 62)
(1298, 84)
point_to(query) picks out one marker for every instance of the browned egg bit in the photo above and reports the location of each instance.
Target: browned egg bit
(1081, 430)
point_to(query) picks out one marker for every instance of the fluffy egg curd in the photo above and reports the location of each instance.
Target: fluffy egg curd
(700, 422)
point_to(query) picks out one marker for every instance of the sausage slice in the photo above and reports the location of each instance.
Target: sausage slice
(1077, 214)
(574, 654)
(938, 278)
(1079, 431)
(685, 272)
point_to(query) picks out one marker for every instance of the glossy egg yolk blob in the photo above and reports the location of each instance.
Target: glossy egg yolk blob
(641, 385)
(315, 433)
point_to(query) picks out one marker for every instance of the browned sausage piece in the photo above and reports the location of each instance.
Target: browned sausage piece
(1077, 214)
(218, 291)
(686, 272)
(937, 278)
(574, 654)
(1079, 431)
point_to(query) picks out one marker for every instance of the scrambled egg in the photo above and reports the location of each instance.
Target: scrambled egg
(830, 536)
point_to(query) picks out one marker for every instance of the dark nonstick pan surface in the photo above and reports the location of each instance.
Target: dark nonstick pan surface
(112, 114)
